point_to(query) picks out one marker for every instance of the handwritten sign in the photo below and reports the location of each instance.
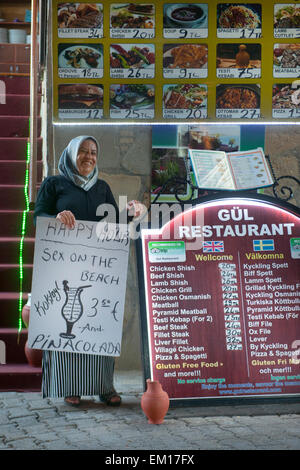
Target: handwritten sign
(78, 287)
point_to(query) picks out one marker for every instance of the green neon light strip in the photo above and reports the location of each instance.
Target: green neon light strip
(23, 233)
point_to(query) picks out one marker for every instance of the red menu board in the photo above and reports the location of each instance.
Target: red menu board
(222, 300)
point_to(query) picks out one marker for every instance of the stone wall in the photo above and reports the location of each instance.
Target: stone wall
(125, 163)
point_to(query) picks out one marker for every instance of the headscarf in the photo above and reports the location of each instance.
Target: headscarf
(67, 164)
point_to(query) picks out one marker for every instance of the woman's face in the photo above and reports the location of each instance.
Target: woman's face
(86, 157)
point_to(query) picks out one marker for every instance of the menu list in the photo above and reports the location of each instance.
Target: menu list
(223, 319)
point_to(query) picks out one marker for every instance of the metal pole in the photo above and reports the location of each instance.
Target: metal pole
(34, 84)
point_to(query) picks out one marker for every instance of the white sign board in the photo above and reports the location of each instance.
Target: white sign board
(78, 287)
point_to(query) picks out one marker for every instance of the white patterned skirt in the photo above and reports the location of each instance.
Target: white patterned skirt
(67, 374)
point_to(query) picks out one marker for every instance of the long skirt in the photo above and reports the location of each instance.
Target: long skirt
(67, 374)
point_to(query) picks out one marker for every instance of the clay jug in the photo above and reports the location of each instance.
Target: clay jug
(242, 57)
(155, 402)
(26, 311)
(33, 356)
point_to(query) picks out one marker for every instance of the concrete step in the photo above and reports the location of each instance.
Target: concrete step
(9, 278)
(19, 104)
(11, 223)
(20, 378)
(9, 308)
(14, 84)
(16, 126)
(14, 345)
(14, 171)
(10, 250)
(12, 197)
(15, 148)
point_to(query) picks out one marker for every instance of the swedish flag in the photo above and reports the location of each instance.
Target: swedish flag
(263, 245)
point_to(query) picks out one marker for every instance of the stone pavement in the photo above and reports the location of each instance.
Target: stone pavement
(28, 422)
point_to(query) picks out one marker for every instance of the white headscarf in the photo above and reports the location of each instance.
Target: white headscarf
(67, 163)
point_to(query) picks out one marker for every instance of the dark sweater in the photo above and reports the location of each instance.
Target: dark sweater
(57, 194)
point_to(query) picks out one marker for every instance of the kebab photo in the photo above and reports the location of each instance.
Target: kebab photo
(131, 56)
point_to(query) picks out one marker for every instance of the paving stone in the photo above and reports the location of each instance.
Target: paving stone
(10, 432)
(27, 421)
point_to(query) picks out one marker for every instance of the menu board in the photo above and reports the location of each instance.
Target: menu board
(168, 61)
(222, 300)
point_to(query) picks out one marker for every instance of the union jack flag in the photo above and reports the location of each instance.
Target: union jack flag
(209, 247)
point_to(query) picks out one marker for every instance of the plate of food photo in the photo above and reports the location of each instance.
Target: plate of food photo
(185, 56)
(124, 15)
(81, 56)
(79, 15)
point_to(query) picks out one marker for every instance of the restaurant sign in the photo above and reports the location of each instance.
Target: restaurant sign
(221, 300)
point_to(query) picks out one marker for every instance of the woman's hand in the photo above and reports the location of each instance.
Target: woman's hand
(67, 218)
(135, 208)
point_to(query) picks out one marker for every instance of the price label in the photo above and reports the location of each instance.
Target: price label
(232, 317)
(233, 332)
(88, 33)
(234, 347)
(79, 73)
(132, 33)
(230, 295)
(80, 113)
(286, 72)
(231, 310)
(131, 114)
(185, 73)
(185, 113)
(227, 266)
(185, 33)
(232, 324)
(238, 113)
(241, 33)
(132, 73)
(230, 302)
(288, 113)
(286, 33)
(248, 72)
(233, 339)
(227, 288)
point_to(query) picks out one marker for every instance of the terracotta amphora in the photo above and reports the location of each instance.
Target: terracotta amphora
(33, 356)
(155, 402)
(26, 311)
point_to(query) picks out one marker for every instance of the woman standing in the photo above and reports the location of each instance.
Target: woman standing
(75, 194)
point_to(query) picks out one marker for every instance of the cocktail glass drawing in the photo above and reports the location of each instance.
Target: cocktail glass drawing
(72, 309)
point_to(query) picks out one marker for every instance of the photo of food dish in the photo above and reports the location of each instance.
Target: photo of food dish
(130, 15)
(124, 56)
(135, 96)
(238, 55)
(286, 15)
(185, 15)
(185, 56)
(186, 96)
(285, 97)
(79, 15)
(80, 96)
(238, 97)
(286, 55)
(80, 56)
(247, 15)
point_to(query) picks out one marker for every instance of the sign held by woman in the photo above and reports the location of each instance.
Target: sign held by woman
(78, 287)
